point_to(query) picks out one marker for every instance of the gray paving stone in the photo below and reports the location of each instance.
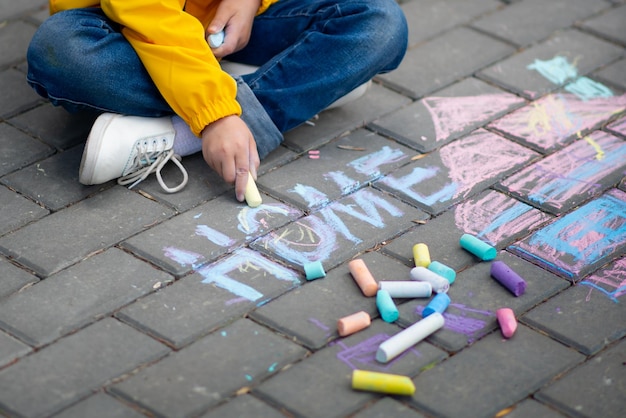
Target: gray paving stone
(11, 349)
(14, 38)
(520, 74)
(204, 184)
(388, 407)
(11, 9)
(190, 381)
(244, 406)
(525, 363)
(13, 278)
(571, 176)
(557, 120)
(340, 230)
(91, 225)
(457, 171)
(71, 299)
(475, 297)
(428, 18)
(491, 216)
(69, 370)
(17, 211)
(55, 126)
(531, 408)
(528, 21)
(609, 24)
(588, 316)
(15, 94)
(19, 149)
(208, 231)
(320, 385)
(341, 167)
(217, 294)
(613, 74)
(604, 383)
(581, 241)
(333, 123)
(298, 314)
(447, 115)
(100, 405)
(444, 60)
(53, 182)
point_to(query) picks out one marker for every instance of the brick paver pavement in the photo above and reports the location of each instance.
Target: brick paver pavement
(506, 120)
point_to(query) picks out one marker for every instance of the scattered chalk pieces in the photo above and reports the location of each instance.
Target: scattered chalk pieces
(353, 323)
(252, 195)
(407, 289)
(314, 270)
(314, 154)
(437, 304)
(408, 337)
(363, 277)
(507, 321)
(421, 255)
(442, 270)
(477, 247)
(386, 306)
(392, 384)
(439, 283)
(508, 278)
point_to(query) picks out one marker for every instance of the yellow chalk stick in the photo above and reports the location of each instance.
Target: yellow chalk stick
(421, 255)
(382, 383)
(252, 195)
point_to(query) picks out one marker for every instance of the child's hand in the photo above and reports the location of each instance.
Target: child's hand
(235, 18)
(229, 148)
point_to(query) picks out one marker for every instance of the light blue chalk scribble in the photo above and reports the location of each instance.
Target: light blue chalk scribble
(312, 196)
(557, 70)
(251, 220)
(506, 217)
(346, 184)
(272, 367)
(369, 164)
(214, 236)
(611, 295)
(337, 225)
(183, 257)
(587, 89)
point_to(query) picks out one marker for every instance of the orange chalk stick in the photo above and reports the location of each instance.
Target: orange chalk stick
(353, 323)
(507, 321)
(363, 277)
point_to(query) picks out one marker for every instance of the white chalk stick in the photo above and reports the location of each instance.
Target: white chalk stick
(439, 283)
(252, 195)
(407, 338)
(407, 289)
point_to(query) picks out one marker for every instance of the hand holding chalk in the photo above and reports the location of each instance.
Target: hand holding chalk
(252, 195)
(216, 40)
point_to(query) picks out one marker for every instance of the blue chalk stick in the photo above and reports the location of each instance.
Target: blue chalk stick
(386, 306)
(437, 304)
(442, 270)
(314, 270)
(477, 247)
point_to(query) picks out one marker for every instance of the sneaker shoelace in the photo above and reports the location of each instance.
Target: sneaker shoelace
(150, 160)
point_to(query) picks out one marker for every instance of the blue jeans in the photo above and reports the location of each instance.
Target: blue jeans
(310, 53)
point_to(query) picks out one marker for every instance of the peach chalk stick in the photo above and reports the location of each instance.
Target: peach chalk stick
(252, 195)
(353, 323)
(363, 277)
(507, 321)
(421, 255)
(392, 384)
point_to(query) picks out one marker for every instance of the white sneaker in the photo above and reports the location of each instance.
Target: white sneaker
(129, 149)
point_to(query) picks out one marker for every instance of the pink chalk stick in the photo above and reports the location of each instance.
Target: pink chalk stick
(508, 278)
(507, 321)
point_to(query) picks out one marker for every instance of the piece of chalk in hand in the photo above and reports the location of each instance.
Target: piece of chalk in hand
(439, 283)
(407, 289)
(386, 306)
(408, 337)
(353, 323)
(421, 255)
(392, 384)
(507, 321)
(216, 39)
(252, 195)
(437, 304)
(442, 270)
(477, 247)
(314, 270)
(363, 277)
(508, 278)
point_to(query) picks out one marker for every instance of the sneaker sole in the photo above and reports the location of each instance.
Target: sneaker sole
(92, 149)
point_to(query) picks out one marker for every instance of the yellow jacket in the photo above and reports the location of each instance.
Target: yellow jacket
(172, 46)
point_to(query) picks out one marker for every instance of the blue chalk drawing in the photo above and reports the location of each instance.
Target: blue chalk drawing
(346, 184)
(312, 196)
(588, 89)
(557, 70)
(322, 241)
(416, 176)
(214, 236)
(252, 220)
(183, 257)
(369, 164)
(505, 217)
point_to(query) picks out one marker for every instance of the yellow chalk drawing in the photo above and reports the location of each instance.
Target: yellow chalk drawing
(595, 145)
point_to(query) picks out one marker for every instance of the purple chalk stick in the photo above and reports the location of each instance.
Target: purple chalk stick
(508, 278)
